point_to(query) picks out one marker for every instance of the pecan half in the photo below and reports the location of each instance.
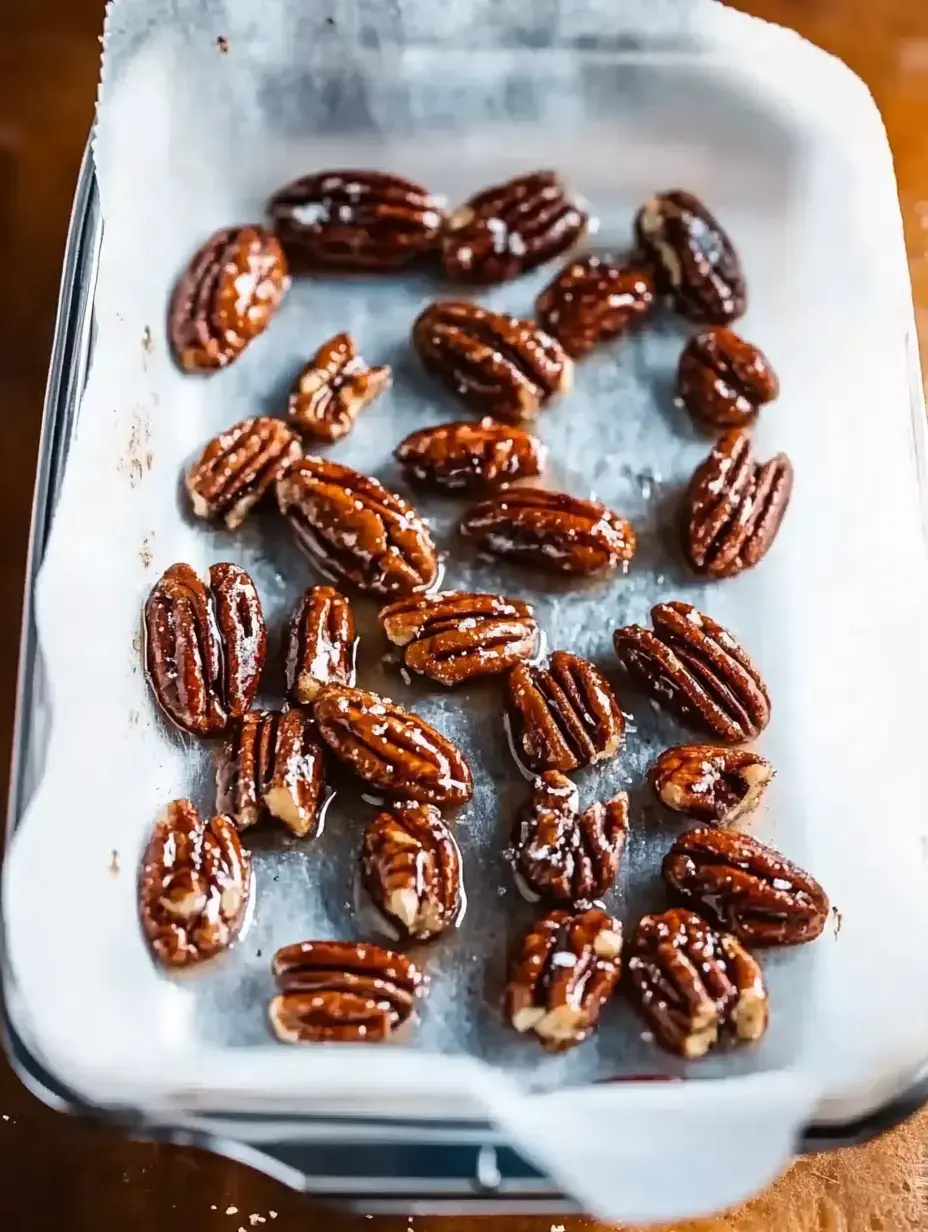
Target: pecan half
(746, 886)
(723, 380)
(697, 670)
(694, 257)
(391, 748)
(237, 467)
(563, 716)
(348, 991)
(568, 967)
(454, 636)
(690, 982)
(470, 456)
(353, 529)
(551, 531)
(333, 389)
(412, 869)
(593, 300)
(498, 365)
(194, 886)
(321, 644)
(716, 786)
(226, 297)
(205, 647)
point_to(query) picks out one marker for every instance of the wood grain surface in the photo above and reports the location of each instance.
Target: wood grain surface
(61, 1175)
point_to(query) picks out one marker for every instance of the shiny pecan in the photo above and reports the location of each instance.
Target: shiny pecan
(690, 982)
(333, 389)
(716, 786)
(357, 220)
(470, 456)
(746, 886)
(348, 991)
(321, 644)
(205, 647)
(567, 968)
(723, 380)
(454, 635)
(226, 297)
(697, 670)
(412, 869)
(498, 365)
(194, 886)
(693, 256)
(237, 467)
(353, 529)
(593, 300)
(392, 749)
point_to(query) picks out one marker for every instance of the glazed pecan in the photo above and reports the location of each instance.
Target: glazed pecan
(551, 531)
(237, 467)
(412, 869)
(746, 886)
(333, 389)
(392, 749)
(593, 300)
(563, 854)
(693, 256)
(194, 886)
(563, 716)
(470, 456)
(205, 647)
(690, 982)
(357, 220)
(226, 297)
(716, 786)
(723, 380)
(321, 644)
(352, 528)
(734, 507)
(498, 365)
(342, 990)
(568, 967)
(453, 636)
(697, 670)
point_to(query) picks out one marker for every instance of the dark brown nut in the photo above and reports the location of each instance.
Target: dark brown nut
(563, 716)
(205, 647)
(716, 786)
(498, 365)
(697, 670)
(354, 530)
(237, 467)
(321, 644)
(746, 887)
(471, 456)
(593, 300)
(392, 749)
(412, 869)
(567, 968)
(693, 256)
(357, 220)
(333, 389)
(194, 886)
(455, 636)
(690, 982)
(562, 854)
(551, 531)
(723, 381)
(346, 991)
(226, 297)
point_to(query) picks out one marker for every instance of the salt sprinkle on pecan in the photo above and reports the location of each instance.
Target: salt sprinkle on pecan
(237, 468)
(333, 389)
(470, 456)
(412, 869)
(724, 380)
(321, 644)
(594, 300)
(713, 785)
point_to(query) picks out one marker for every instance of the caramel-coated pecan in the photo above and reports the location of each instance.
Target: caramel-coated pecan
(690, 982)
(194, 886)
(723, 380)
(593, 300)
(321, 644)
(353, 529)
(347, 991)
(412, 869)
(333, 389)
(392, 749)
(498, 365)
(713, 785)
(453, 636)
(237, 467)
(697, 670)
(226, 297)
(568, 967)
(470, 456)
(746, 886)
(205, 647)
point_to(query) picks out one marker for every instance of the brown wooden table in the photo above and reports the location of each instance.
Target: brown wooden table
(65, 1176)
